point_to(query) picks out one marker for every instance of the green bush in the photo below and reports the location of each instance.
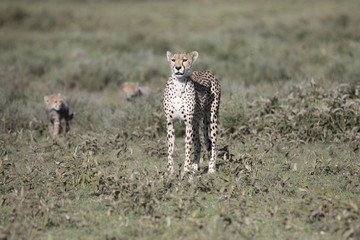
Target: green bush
(308, 113)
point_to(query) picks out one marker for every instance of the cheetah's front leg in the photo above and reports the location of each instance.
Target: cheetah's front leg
(54, 126)
(170, 142)
(188, 145)
(197, 146)
(57, 127)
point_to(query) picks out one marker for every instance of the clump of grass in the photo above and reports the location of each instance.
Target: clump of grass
(99, 73)
(12, 15)
(144, 117)
(233, 114)
(39, 20)
(91, 74)
(308, 113)
(93, 180)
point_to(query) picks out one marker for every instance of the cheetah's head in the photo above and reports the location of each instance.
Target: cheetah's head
(53, 102)
(181, 63)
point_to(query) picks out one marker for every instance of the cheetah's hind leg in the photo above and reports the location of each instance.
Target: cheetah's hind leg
(213, 134)
(206, 132)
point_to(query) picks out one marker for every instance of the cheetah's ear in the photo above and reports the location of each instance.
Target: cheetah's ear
(46, 99)
(194, 55)
(168, 55)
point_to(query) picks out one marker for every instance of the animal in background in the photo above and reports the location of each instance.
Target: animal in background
(57, 109)
(132, 90)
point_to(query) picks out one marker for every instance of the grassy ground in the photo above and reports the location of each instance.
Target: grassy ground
(288, 164)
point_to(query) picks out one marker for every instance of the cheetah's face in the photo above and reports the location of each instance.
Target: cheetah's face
(53, 102)
(181, 63)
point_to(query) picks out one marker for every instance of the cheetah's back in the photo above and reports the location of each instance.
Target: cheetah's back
(207, 87)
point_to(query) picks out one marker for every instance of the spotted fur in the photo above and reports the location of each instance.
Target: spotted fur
(57, 109)
(190, 98)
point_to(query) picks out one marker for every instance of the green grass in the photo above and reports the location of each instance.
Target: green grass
(288, 159)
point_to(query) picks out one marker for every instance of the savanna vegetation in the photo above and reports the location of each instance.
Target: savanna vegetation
(288, 164)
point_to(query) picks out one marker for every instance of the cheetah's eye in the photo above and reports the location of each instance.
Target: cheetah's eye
(184, 60)
(173, 59)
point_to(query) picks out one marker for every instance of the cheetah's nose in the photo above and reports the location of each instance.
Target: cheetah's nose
(178, 68)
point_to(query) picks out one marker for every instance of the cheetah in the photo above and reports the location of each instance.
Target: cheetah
(132, 90)
(190, 98)
(57, 109)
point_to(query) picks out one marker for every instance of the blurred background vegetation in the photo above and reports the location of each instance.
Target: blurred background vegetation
(87, 49)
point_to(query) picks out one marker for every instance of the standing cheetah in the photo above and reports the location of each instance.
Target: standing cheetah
(190, 99)
(57, 108)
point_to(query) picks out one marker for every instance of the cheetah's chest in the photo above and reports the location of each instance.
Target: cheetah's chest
(177, 108)
(179, 100)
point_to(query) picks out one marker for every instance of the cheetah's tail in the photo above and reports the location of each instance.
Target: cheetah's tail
(70, 117)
